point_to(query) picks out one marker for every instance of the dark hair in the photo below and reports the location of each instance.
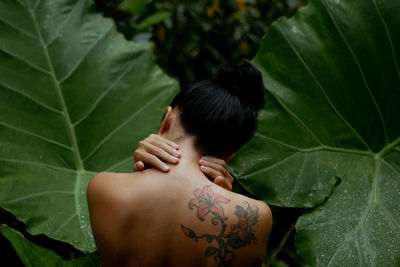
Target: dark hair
(222, 114)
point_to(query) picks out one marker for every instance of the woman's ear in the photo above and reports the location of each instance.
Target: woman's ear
(166, 123)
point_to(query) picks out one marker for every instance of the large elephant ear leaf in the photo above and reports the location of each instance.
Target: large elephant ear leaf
(332, 118)
(32, 255)
(75, 98)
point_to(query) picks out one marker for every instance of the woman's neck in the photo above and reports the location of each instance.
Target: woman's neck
(190, 155)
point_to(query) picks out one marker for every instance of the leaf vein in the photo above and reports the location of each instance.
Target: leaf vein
(37, 163)
(36, 135)
(334, 254)
(108, 136)
(272, 166)
(357, 243)
(322, 89)
(258, 134)
(118, 163)
(31, 98)
(317, 148)
(366, 240)
(70, 129)
(98, 100)
(391, 167)
(57, 33)
(389, 36)
(389, 216)
(17, 28)
(298, 176)
(37, 4)
(32, 65)
(78, 206)
(359, 68)
(37, 195)
(329, 222)
(64, 223)
(78, 63)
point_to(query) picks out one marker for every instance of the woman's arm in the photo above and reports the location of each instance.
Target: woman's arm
(155, 151)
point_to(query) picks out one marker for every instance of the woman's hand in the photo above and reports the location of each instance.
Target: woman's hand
(217, 169)
(155, 151)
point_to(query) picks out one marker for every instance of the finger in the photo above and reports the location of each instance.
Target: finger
(151, 160)
(157, 163)
(216, 166)
(138, 166)
(219, 165)
(171, 144)
(167, 148)
(159, 139)
(219, 180)
(215, 160)
(210, 172)
(162, 143)
(160, 153)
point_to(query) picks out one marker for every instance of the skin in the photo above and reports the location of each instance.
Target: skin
(152, 218)
(155, 151)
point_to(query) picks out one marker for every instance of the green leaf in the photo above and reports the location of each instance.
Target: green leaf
(136, 7)
(153, 19)
(210, 251)
(332, 114)
(33, 255)
(75, 99)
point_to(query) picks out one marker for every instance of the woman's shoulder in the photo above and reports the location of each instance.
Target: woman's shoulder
(256, 214)
(261, 207)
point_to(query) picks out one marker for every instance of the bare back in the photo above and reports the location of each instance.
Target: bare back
(156, 219)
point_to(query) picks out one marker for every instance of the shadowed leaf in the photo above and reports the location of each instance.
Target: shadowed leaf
(32, 255)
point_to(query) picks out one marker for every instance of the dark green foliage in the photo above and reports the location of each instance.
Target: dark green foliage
(32, 255)
(199, 36)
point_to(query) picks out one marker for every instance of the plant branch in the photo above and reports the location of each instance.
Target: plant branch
(281, 245)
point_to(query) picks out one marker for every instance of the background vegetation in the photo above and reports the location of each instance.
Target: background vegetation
(193, 38)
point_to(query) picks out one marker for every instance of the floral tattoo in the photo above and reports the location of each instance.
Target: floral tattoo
(237, 236)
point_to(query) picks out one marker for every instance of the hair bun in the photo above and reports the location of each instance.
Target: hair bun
(246, 82)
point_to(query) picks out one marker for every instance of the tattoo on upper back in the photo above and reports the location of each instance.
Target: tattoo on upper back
(235, 236)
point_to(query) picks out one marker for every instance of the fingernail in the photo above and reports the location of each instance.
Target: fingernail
(165, 168)
(202, 161)
(175, 146)
(177, 153)
(203, 168)
(204, 157)
(174, 159)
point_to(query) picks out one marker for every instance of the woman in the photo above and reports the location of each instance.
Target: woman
(180, 218)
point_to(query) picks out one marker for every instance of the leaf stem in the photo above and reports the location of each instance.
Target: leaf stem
(281, 245)
(387, 149)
